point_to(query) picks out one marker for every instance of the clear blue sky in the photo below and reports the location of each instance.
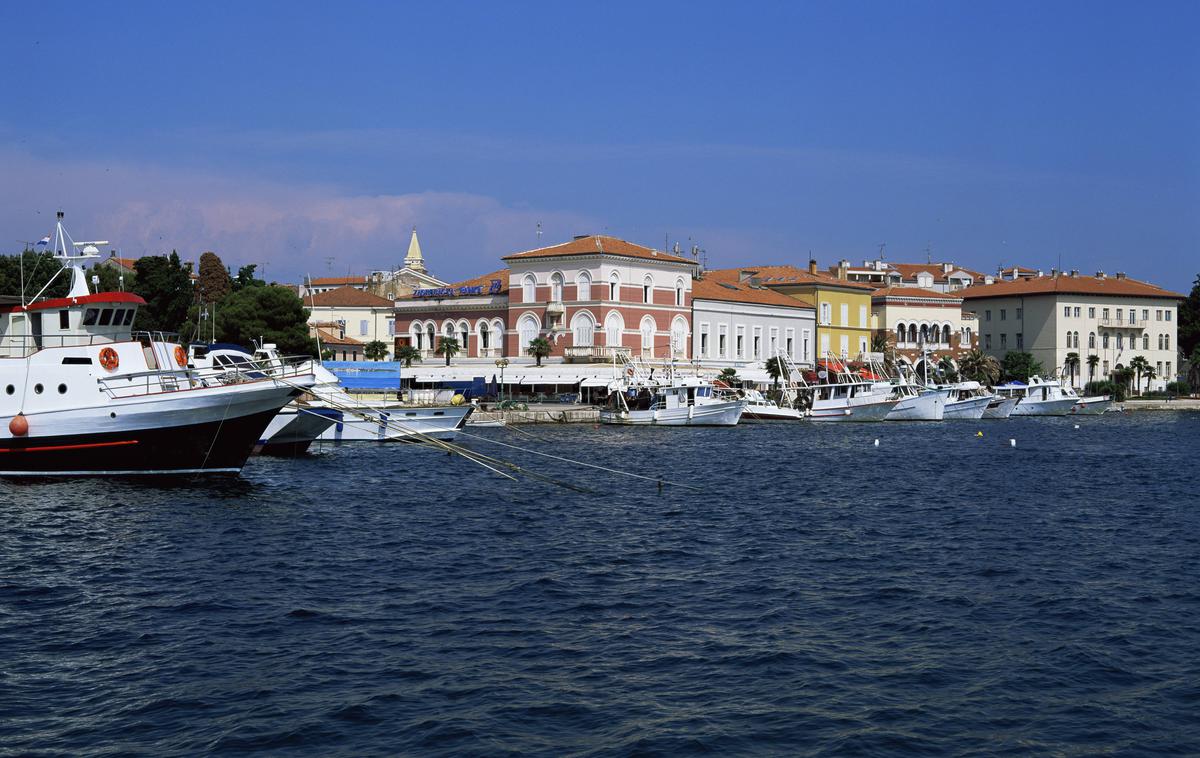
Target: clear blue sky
(286, 133)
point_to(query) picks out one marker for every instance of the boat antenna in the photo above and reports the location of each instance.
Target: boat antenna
(313, 306)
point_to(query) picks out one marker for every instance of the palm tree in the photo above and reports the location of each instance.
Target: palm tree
(447, 346)
(776, 370)
(1149, 373)
(728, 376)
(1092, 362)
(980, 367)
(1140, 365)
(375, 350)
(1071, 364)
(539, 347)
(408, 354)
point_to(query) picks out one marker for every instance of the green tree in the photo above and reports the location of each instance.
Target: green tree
(246, 278)
(1121, 378)
(1092, 362)
(1020, 365)
(947, 369)
(539, 347)
(375, 350)
(448, 348)
(1071, 364)
(776, 370)
(214, 282)
(729, 376)
(1188, 337)
(269, 314)
(164, 283)
(1149, 374)
(1194, 367)
(978, 366)
(408, 354)
(1139, 365)
(113, 279)
(39, 269)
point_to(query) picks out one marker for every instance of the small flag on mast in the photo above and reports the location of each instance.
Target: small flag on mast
(44, 241)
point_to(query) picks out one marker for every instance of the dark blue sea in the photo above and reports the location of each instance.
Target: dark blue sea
(940, 594)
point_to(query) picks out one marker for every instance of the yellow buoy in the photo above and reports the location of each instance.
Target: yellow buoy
(457, 399)
(978, 434)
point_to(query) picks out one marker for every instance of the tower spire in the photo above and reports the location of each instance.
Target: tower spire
(414, 260)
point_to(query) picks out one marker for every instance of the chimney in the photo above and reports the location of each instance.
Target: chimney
(1074, 273)
(1053, 273)
(745, 275)
(812, 265)
(1120, 274)
(842, 269)
(1099, 274)
(947, 268)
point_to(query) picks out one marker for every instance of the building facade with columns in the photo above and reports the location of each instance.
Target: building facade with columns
(923, 324)
(1113, 318)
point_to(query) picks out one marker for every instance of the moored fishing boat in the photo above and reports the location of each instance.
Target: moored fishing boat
(1091, 405)
(1000, 407)
(1038, 397)
(84, 396)
(966, 400)
(674, 401)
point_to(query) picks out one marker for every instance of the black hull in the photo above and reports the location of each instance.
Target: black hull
(284, 449)
(211, 447)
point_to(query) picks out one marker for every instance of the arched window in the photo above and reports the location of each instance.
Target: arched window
(613, 326)
(583, 329)
(945, 334)
(614, 286)
(679, 330)
(1104, 341)
(1120, 340)
(556, 287)
(1068, 339)
(647, 289)
(527, 330)
(1091, 340)
(1166, 342)
(485, 338)
(924, 334)
(679, 292)
(528, 289)
(497, 335)
(648, 337)
(1145, 341)
(583, 286)
(900, 333)
(912, 333)
(464, 331)
(416, 336)
(429, 334)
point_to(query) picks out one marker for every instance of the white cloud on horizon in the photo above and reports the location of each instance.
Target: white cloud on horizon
(290, 228)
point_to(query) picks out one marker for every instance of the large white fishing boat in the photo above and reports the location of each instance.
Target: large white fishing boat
(915, 403)
(638, 399)
(1038, 397)
(848, 396)
(372, 420)
(84, 396)
(966, 400)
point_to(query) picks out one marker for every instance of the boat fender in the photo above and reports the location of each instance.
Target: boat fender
(19, 426)
(180, 356)
(109, 359)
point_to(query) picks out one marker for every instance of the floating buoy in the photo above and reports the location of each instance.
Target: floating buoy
(978, 434)
(1012, 443)
(876, 443)
(19, 426)
(1077, 426)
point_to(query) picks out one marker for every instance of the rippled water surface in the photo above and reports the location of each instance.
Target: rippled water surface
(938, 594)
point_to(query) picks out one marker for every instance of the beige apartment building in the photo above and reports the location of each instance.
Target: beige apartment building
(1114, 318)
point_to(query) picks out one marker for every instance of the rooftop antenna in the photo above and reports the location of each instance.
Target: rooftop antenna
(539, 231)
(329, 259)
(928, 252)
(882, 245)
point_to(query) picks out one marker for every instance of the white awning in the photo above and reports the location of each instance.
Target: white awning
(592, 381)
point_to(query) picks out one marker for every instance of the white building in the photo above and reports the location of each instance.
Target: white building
(1113, 318)
(353, 314)
(738, 324)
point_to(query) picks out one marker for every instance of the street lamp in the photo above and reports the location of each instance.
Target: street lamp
(501, 364)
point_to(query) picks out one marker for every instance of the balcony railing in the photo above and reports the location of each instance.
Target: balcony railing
(594, 353)
(1116, 323)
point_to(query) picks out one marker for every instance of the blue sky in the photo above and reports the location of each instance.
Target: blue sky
(287, 133)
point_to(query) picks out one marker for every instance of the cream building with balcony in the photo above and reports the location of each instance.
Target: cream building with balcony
(923, 324)
(1113, 318)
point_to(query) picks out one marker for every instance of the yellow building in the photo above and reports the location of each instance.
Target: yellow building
(843, 307)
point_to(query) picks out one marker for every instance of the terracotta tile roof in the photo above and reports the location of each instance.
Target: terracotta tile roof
(126, 263)
(336, 281)
(596, 244)
(330, 337)
(913, 292)
(485, 281)
(774, 276)
(730, 290)
(347, 297)
(910, 270)
(1071, 285)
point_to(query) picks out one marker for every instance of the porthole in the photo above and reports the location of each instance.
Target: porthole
(10, 389)
(38, 388)
(62, 389)
(112, 415)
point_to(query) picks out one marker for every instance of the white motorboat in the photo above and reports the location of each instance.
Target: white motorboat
(966, 400)
(1038, 397)
(761, 408)
(915, 403)
(848, 396)
(674, 401)
(1000, 407)
(1091, 405)
(373, 420)
(84, 396)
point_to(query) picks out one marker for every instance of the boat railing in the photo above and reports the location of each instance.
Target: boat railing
(25, 345)
(157, 381)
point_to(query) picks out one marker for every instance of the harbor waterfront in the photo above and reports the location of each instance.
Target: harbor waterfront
(937, 593)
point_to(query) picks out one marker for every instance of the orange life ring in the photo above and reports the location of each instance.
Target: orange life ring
(108, 359)
(180, 356)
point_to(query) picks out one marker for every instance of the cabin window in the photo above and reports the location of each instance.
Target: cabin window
(129, 317)
(106, 317)
(89, 316)
(64, 320)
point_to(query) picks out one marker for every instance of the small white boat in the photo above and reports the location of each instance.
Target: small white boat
(1000, 407)
(1091, 405)
(915, 404)
(676, 401)
(1039, 397)
(761, 408)
(966, 400)
(851, 401)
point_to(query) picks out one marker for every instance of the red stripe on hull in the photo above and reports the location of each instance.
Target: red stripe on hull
(81, 446)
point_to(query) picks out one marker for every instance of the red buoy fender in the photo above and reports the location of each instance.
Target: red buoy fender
(109, 359)
(19, 426)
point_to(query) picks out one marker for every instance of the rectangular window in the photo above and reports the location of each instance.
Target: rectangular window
(1067, 311)
(722, 340)
(1158, 368)
(1020, 313)
(90, 315)
(788, 347)
(987, 315)
(824, 345)
(862, 345)
(129, 316)
(1167, 314)
(739, 344)
(704, 340)
(757, 343)
(862, 316)
(845, 313)
(805, 338)
(1120, 340)
(106, 317)
(826, 313)
(987, 342)
(391, 322)
(1105, 371)
(1077, 311)
(1020, 341)
(1158, 314)
(1104, 314)
(1167, 375)
(1091, 312)
(1003, 341)
(844, 346)
(1003, 314)
(64, 319)
(1145, 314)
(1120, 316)
(363, 326)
